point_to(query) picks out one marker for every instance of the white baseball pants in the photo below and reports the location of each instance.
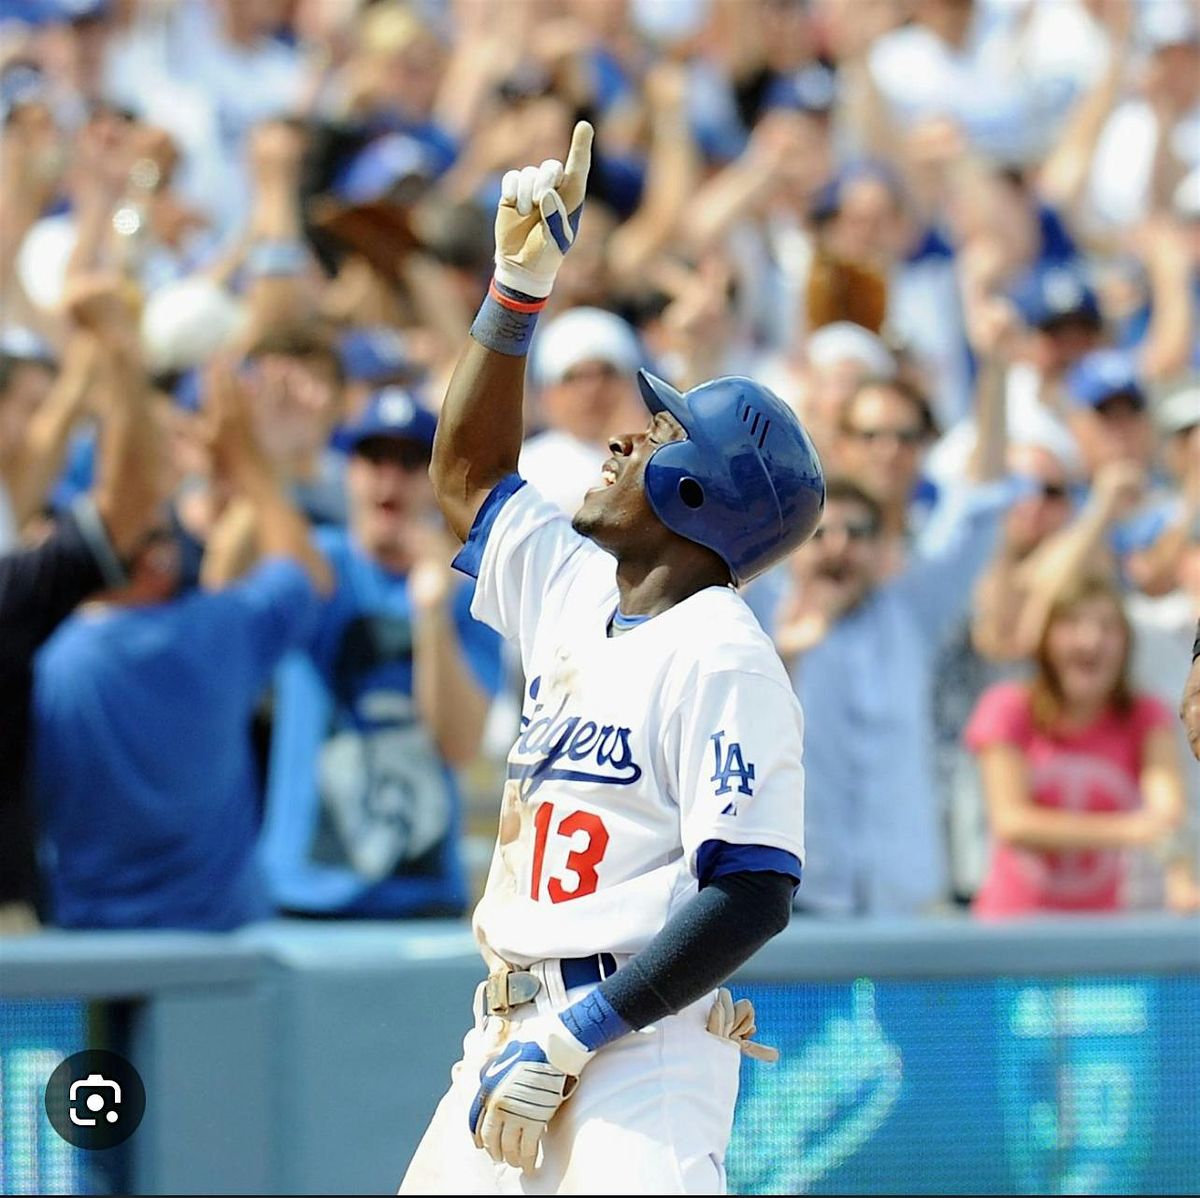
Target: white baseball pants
(652, 1114)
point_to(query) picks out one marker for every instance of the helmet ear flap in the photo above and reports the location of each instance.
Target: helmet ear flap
(691, 493)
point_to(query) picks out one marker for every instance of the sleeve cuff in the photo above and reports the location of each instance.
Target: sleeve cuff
(716, 858)
(95, 535)
(469, 558)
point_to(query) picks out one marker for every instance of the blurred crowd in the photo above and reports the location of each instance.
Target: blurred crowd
(241, 243)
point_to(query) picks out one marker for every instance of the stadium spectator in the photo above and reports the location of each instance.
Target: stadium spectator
(584, 363)
(821, 373)
(885, 426)
(1077, 768)
(387, 699)
(41, 584)
(294, 376)
(688, 324)
(1111, 422)
(1172, 518)
(861, 654)
(306, 186)
(373, 358)
(982, 648)
(1047, 547)
(1010, 108)
(1141, 147)
(144, 776)
(1061, 320)
(35, 418)
(118, 165)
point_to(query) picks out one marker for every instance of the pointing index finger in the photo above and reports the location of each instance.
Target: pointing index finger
(579, 161)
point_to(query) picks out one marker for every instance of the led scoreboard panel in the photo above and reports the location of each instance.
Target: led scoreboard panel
(1004, 1085)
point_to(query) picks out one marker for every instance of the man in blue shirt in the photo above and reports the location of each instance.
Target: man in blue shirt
(861, 656)
(41, 584)
(143, 768)
(390, 694)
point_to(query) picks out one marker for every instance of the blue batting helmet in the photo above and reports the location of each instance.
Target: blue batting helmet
(746, 484)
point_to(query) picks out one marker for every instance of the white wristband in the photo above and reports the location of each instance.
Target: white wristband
(519, 279)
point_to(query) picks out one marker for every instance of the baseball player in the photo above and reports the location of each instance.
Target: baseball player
(651, 830)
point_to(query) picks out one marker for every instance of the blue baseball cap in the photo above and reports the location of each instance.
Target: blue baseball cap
(392, 412)
(375, 170)
(375, 355)
(1046, 295)
(1102, 375)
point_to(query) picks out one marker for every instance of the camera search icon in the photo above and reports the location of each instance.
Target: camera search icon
(95, 1099)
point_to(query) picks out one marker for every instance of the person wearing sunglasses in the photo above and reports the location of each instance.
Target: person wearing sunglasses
(860, 644)
(886, 426)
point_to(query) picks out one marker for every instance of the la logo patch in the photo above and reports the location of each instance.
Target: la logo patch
(729, 766)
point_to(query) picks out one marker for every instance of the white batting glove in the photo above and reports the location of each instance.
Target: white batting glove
(522, 1087)
(538, 217)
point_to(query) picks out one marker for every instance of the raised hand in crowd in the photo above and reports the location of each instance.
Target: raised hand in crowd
(241, 460)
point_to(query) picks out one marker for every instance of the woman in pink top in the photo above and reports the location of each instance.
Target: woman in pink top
(1076, 769)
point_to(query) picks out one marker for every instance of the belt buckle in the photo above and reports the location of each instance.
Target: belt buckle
(508, 988)
(496, 992)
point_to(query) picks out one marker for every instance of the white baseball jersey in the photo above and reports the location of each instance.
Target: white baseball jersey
(634, 751)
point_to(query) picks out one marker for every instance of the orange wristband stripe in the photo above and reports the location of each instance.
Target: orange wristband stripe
(514, 304)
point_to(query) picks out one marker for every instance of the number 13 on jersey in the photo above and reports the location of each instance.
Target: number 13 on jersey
(588, 841)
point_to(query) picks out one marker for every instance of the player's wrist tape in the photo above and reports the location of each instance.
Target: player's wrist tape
(594, 1022)
(1196, 644)
(507, 319)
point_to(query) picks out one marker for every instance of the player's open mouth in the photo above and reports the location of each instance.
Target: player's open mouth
(608, 475)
